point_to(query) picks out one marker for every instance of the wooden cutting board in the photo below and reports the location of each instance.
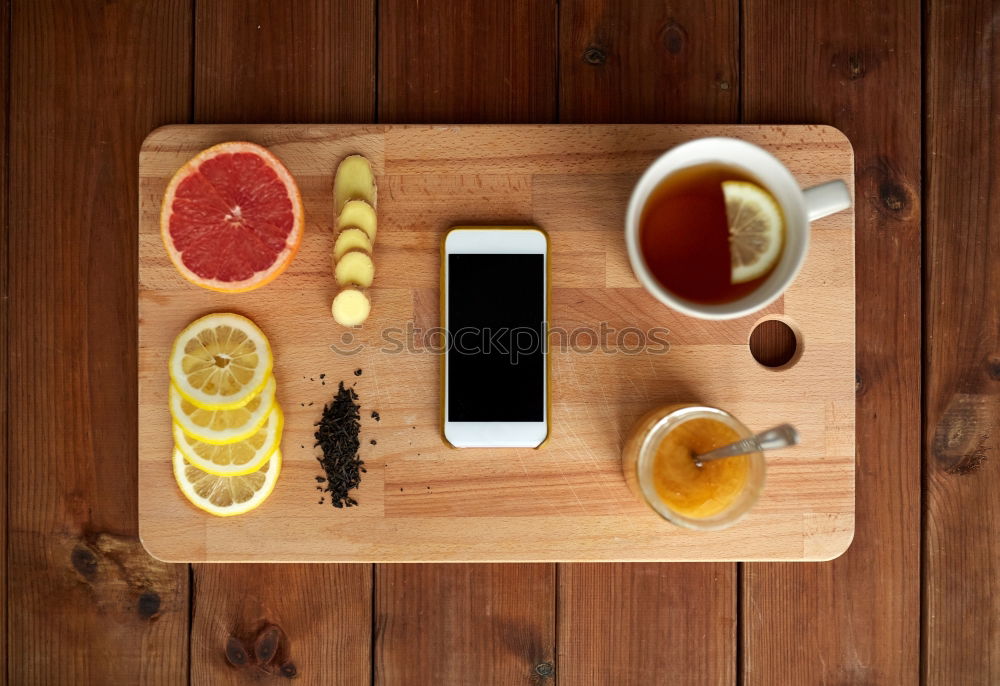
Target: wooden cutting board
(423, 501)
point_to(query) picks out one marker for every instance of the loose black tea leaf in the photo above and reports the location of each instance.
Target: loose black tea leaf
(376, 417)
(357, 372)
(373, 442)
(337, 436)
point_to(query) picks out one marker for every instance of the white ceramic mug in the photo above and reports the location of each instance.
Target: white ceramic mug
(799, 207)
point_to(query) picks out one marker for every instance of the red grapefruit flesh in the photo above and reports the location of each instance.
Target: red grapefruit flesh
(232, 218)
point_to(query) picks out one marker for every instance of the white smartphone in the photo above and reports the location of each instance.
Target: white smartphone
(494, 308)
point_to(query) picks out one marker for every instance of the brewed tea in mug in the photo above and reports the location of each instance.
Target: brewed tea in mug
(684, 235)
(676, 227)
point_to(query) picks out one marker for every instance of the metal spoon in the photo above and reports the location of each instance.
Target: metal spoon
(781, 436)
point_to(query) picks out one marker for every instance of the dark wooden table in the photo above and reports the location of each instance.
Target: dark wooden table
(915, 86)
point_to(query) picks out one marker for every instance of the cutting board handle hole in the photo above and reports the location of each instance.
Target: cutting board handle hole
(776, 343)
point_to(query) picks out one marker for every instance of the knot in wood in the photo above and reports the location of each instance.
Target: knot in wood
(674, 38)
(594, 56)
(893, 196)
(545, 670)
(266, 645)
(993, 367)
(236, 652)
(149, 604)
(964, 433)
(855, 67)
(84, 561)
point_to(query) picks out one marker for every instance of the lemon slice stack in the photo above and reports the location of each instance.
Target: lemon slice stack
(226, 421)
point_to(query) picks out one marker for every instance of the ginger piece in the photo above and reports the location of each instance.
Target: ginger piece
(358, 214)
(354, 181)
(350, 307)
(351, 239)
(354, 267)
(354, 196)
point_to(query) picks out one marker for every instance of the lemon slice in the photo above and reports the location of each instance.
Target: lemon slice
(756, 230)
(220, 361)
(233, 459)
(225, 496)
(223, 426)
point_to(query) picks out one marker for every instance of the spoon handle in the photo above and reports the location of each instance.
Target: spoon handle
(781, 436)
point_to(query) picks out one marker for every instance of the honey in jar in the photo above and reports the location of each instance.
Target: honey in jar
(691, 490)
(658, 461)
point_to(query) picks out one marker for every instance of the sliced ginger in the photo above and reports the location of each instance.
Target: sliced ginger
(351, 239)
(354, 181)
(354, 197)
(351, 307)
(358, 214)
(355, 267)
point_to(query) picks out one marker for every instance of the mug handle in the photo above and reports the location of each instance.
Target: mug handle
(826, 198)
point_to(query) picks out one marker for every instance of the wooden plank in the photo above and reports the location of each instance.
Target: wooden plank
(88, 81)
(647, 623)
(465, 624)
(4, 322)
(310, 622)
(855, 66)
(962, 353)
(307, 61)
(465, 62)
(283, 62)
(423, 501)
(637, 61)
(646, 62)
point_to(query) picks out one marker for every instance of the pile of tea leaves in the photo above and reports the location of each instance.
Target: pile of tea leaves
(337, 436)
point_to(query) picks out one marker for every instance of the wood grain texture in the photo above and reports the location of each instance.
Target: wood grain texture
(284, 62)
(295, 62)
(422, 501)
(4, 322)
(465, 624)
(88, 81)
(275, 622)
(637, 61)
(962, 353)
(646, 62)
(467, 61)
(773, 343)
(855, 620)
(647, 623)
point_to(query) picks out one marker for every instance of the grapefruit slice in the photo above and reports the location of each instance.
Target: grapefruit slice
(231, 218)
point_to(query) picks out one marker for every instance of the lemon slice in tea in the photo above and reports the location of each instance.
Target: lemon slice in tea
(220, 361)
(225, 496)
(233, 459)
(223, 426)
(756, 230)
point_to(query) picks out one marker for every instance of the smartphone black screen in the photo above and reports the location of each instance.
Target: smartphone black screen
(496, 353)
